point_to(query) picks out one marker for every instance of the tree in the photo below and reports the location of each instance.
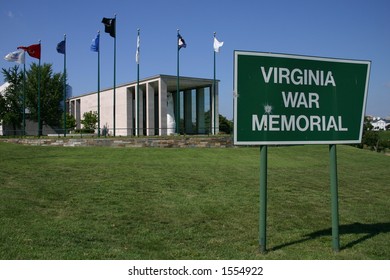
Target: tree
(371, 139)
(11, 104)
(89, 121)
(225, 125)
(51, 89)
(70, 122)
(367, 124)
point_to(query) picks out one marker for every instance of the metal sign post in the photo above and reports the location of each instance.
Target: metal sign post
(263, 199)
(334, 198)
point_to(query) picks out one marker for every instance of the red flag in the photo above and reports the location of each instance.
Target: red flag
(33, 50)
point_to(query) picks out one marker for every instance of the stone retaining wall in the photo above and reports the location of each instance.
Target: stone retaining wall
(157, 142)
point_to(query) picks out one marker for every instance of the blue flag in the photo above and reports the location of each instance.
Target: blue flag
(61, 47)
(95, 43)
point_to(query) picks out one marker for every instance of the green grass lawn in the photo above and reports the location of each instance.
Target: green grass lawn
(150, 203)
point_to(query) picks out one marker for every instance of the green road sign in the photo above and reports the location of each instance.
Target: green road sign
(290, 99)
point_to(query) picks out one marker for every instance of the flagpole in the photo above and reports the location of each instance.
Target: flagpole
(137, 93)
(214, 91)
(65, 86)
(39, 95)
(177, 88)
(114, 74)
(24, 95)
(98, 85)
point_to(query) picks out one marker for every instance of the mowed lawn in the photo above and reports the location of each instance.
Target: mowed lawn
(152, 203)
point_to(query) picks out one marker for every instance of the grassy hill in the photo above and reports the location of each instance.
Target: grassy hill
(106, 203)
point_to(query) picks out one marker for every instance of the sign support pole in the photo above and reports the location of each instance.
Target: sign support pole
(263, 200)
(334, 198)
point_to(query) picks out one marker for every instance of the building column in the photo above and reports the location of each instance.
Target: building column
(162, 107)
(72, 109)
(200, 114)
(121, 111)
(188, 111)
(149, 110)
(215, 112)
(78, 113)
(141, 111)
(130, 110)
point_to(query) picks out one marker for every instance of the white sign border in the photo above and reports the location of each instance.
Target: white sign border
(302, 57)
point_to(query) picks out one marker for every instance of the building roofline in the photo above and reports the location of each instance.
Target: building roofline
(151, 78)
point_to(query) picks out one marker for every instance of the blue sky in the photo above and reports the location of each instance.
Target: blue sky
(351, 29)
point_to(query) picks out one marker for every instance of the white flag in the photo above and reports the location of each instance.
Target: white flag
(137, 52)
(16, 56)
(217, 44)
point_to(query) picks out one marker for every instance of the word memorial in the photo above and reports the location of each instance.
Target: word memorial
(286, 99)
(292, 122)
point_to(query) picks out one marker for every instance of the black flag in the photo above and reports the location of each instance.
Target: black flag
(109, 26)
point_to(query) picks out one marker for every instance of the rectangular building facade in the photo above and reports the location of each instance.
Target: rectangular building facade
(156, 107)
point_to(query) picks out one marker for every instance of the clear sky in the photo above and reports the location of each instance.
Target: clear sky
(351, 29)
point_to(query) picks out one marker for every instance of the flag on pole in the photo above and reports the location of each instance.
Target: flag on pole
(137, 52)
(217, 44)
(109, 26)
(16, 56)
(95, 43)
(61, 47)
(180, 41)
(33, 50)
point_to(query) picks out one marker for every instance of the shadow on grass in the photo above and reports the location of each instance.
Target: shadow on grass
(369, 231)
